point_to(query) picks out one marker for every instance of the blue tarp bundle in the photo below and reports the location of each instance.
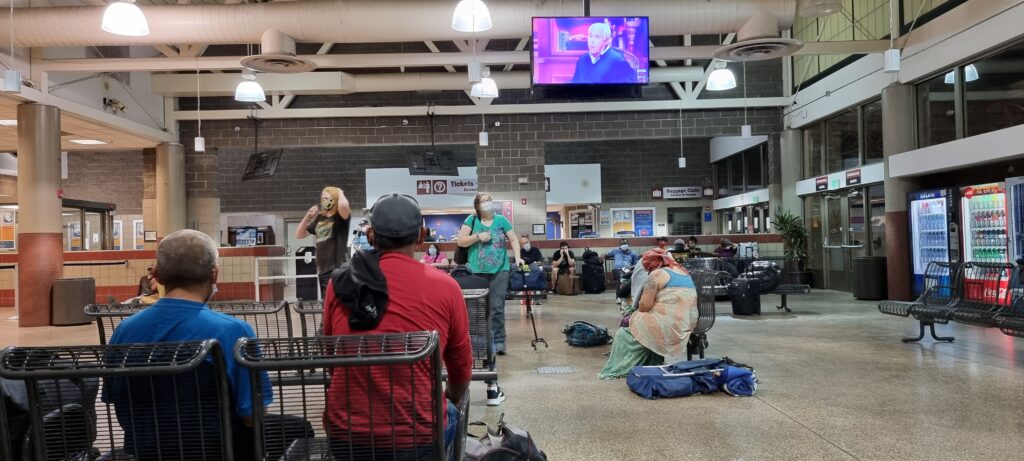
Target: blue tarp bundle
(692, 377)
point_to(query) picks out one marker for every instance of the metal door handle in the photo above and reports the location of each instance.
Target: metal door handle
(853, 246)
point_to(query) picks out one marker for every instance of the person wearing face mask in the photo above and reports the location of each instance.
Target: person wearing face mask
(329, 222)
(485, 234)
(528, 253)
(624, 258)
(186, 265)
(435, 257)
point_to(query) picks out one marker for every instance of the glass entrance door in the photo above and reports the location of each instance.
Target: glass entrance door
(846, 232)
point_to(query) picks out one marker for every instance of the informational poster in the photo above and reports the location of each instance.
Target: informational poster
(246, 237)
(506, 210)
(7, 230)
(138, 235)
(643, 222)
(637, 222)
(116, 234)
(622, 221)
(75, 236)
(606, 218)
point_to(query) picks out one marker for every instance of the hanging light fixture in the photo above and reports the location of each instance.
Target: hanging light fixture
(124, 18)
(721, 78)
(200, 140)
(471, 16)
(745, 131)
(486, 88)
(682, 154)
(484, 138)
(248, 89)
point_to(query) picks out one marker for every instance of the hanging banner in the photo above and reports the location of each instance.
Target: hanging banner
(643, 222)
(138, 235)
(7, 230)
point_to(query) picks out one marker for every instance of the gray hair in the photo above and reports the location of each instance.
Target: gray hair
(185, 258)
(603, 27)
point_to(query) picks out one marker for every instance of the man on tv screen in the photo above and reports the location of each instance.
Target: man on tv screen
(602, 63)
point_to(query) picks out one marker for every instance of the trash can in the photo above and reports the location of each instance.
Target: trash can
(870, 281)
(70, 296)
(305, 264)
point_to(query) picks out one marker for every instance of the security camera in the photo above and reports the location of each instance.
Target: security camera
(114, 105)
(405, 122)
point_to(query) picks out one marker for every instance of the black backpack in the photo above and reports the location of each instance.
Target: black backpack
(583, 334)
(591, 257)
(504, 443)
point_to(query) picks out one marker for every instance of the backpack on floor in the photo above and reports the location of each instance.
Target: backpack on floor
(583, 334)
(504, 443)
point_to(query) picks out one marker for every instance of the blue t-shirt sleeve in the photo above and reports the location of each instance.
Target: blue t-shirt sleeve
(239, 376)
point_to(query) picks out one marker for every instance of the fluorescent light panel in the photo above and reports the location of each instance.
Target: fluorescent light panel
(87, 142)
(8, 123)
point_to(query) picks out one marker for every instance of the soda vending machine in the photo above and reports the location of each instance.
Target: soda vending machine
(933, 231)
(1015, 207)
(983, 212)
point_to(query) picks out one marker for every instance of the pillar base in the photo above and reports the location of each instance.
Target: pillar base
(40, 262)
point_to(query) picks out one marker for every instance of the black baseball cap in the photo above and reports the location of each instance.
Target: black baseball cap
(396, 215)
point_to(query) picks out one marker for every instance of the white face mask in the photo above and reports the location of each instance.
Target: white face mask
(526, 247)
(624, 247)
(492, 207)
(432, 251)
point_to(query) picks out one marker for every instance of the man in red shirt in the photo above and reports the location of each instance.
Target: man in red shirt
(388, 291)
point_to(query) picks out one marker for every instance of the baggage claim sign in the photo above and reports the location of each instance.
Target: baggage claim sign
(454, 186)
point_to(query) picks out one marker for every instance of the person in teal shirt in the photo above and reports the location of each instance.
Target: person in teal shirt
(486, 234)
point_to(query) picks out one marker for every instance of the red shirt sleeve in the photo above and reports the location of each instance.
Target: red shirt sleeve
(458, 353)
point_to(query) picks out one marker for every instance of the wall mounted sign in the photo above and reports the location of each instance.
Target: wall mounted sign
(821, 183)
(138, 235)
(7, 230)
(116, 232)
(637, 222)
(853, 177)
(657, 193)
(670, 193)
(452, 186)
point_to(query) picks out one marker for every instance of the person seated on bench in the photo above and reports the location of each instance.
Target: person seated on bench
(529, 253)
(392, 285)
(563, 262)
(661, 325)
(725, 248)
(187, 266)
(624, 258)
(435, 257)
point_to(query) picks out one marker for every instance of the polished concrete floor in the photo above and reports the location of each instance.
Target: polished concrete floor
(835, 383)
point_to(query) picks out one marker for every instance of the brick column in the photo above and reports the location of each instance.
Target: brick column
(514, 152)
(40, 236)
(201, 192)
(149, 193)
(897, 136)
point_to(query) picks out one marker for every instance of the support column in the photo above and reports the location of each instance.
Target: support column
(170, 189)
(40, 236)
(515, 153)
(897, 137)
(791, 164)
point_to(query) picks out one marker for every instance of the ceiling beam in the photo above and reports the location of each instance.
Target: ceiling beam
(494, 109)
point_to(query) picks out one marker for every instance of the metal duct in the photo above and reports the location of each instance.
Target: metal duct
(365, 21)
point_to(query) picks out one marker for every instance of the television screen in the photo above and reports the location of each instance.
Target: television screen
(596, 50)
(262, 164)
(432, 164)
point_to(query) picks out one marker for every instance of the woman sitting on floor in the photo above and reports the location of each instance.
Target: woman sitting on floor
(661, 325)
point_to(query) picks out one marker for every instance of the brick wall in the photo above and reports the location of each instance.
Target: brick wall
(110, 177)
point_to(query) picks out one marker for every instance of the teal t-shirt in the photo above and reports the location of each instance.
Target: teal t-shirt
(489, 257)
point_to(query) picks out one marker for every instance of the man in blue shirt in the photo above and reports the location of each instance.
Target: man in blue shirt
(624, 258)
(187, 267)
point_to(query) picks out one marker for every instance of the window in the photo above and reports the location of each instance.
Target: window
(936, 111)
(735, 174)
(755, 174)
(841, 146)
(722, 178)
(684, 221)
(813, 141)
(994, 92)
(872, 117)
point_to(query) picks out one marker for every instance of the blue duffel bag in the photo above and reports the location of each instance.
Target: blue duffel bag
(692, 377)
(533, 280)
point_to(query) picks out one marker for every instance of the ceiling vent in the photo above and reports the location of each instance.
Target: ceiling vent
(819, 8)
(277, 56)
(758, 40)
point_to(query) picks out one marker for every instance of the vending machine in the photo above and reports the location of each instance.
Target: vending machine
(934, 233)
(984, 222)
(1015, 208)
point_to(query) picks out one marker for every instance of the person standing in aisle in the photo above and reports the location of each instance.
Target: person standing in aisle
(329, 222)
(485, 234)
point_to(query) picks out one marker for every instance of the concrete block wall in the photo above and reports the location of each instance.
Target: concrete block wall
(111, 177)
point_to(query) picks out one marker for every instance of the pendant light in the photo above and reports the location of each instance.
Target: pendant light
(12, 76)
(682, 155)
(721, 78)
(200, 140)
(745, 130)
(471, 16)
(124, 18)
(484, 138)
(486, 88)
(248, 89)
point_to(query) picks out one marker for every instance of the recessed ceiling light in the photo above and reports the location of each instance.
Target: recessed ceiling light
(8, 123)
(87, 142)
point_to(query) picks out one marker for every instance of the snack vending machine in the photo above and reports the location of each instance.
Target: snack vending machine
(933, 231)
(983, 212)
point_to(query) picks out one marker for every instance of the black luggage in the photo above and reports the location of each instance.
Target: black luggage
(745, 294)
(767, 273)
(593, 278)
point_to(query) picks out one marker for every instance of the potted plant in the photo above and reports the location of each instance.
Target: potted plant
(794, 238)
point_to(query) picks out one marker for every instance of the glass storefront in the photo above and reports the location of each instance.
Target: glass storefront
(742, 172)
(846, 140)
(994, 92)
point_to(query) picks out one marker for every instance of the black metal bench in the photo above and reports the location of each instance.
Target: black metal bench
(708, 284)
(311, 316)
(381, 366)
(786, 289)
(109, 316)
(937, 289)
(268, 319)
(158, 401)
(1011, 323)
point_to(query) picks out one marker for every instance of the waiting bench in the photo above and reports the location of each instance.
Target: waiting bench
(267, 319)
(708, 283)
(163, 401)
(399, 414)
(979, 294)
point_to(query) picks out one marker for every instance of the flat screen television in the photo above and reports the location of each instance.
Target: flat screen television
(262, 164)
(595, 50)
(432, 164)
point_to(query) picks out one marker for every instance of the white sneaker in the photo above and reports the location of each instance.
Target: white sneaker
(618, 300)
(495, 396)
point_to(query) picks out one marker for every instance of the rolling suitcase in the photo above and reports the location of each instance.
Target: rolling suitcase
(568, 285)
(745, 294)
(593, 278)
